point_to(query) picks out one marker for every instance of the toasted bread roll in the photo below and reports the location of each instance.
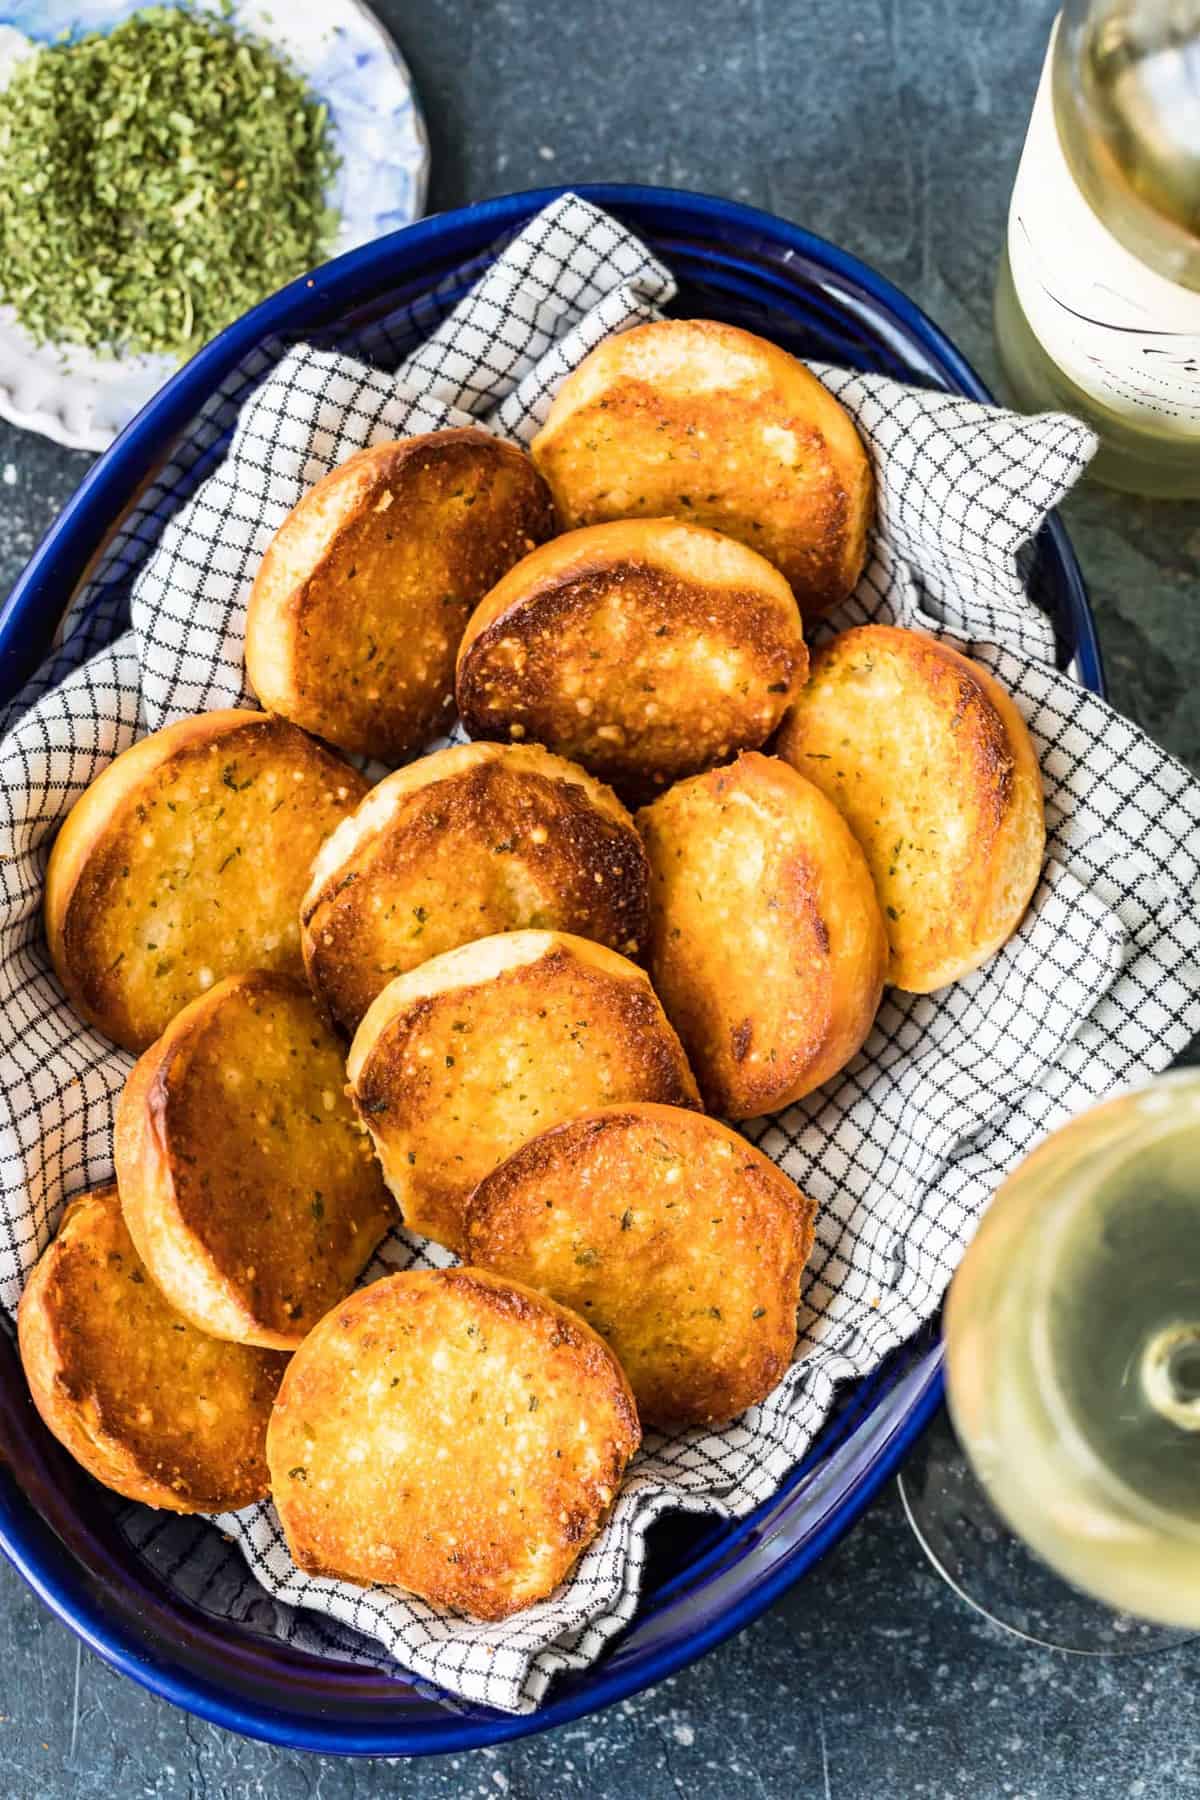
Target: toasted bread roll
(149, 1405)
(645, 649)
(930, 762)
(681, 1244)
(459, 1061)
(363, 593)
(473, 840)
(456, 1435)
(766, 944)
(247, 1186)
(186, 861)
(703, 421)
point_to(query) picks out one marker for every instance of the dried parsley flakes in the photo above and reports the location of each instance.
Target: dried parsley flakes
(156, 182)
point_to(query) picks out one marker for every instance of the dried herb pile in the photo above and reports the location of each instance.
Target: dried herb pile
(157, 181)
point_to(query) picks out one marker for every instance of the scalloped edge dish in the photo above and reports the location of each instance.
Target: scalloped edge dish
(84, 401)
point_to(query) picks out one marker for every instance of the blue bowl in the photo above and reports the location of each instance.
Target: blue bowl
(705, 1580)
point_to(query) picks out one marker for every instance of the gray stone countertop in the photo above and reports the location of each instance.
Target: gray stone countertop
(892, 127)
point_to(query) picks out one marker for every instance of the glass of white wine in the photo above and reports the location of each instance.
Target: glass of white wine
(1073, 1379)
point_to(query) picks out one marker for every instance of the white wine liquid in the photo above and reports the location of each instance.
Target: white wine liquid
(1073, 1339)
(1122, 1326)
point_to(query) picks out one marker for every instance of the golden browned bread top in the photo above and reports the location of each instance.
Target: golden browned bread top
(680, 1243)
(931, 764)
(250, 1190)
(149, 1405)
(361, 598)
(462, 1059)
(185, 861)
(476, 839)
(459, 1436)
(645, 649)
(766, 944)
(701, 420)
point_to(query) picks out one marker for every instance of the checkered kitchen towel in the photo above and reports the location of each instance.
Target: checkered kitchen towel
(1100, 986)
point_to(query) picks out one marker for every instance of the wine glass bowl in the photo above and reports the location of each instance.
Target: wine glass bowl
(1073, 1357)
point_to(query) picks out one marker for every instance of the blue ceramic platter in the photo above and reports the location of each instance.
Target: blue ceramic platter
(705, 1579)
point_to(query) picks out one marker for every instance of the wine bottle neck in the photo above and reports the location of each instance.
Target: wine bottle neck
(1126, 85)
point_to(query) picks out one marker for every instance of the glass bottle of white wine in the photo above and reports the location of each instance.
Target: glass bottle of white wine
(1073, 1353)
(1098, 297)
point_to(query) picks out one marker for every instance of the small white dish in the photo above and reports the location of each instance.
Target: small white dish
(84, 400)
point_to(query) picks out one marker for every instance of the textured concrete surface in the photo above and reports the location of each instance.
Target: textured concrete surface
(894, 129)
(870, 1681)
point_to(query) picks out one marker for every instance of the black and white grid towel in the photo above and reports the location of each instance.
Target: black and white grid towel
(1100, 986)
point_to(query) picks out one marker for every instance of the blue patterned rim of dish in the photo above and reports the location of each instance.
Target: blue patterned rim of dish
(705, 1579)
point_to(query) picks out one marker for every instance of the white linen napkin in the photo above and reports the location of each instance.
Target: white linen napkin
(1101, 985)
